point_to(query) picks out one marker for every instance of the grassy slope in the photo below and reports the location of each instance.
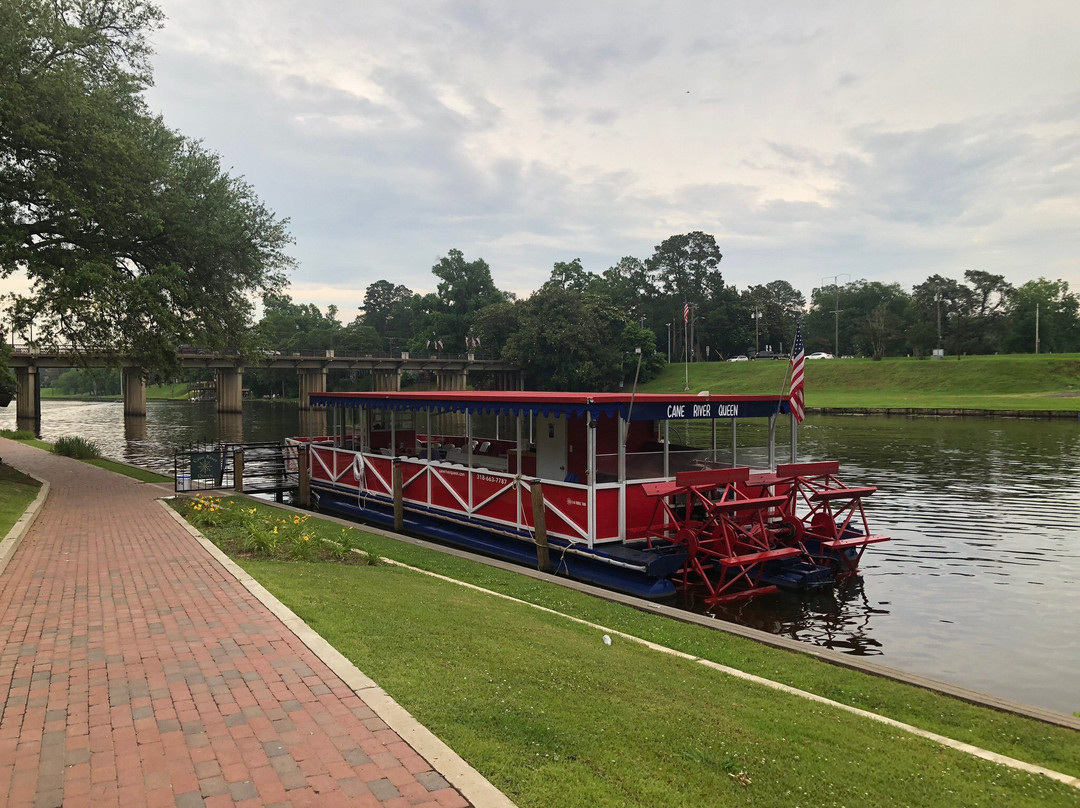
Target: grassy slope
(553, 716)
(1015, 382)
(17, 491)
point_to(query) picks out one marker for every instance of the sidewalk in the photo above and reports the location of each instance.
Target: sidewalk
(136, 670)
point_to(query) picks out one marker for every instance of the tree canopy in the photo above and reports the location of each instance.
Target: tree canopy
(132, 236)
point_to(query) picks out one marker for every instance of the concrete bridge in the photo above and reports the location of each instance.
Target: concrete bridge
(451, 373)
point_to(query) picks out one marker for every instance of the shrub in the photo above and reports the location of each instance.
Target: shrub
(240, 528)
(79, 448)
(17, 434)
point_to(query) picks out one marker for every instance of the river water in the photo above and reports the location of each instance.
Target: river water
(980, 585)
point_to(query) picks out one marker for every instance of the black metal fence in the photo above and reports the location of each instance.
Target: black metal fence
(264, 467)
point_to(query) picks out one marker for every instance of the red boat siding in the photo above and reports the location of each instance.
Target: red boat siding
(494, 496)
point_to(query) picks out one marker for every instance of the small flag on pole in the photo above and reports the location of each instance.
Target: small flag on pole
(795, 391)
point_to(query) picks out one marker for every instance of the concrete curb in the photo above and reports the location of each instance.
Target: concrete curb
(472, 785)
(14, 537)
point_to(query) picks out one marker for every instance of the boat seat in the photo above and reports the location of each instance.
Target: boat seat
(484, 446)
(842, 493)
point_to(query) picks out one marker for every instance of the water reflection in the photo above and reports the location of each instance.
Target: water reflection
(979, 585)
(134, 428)
(841, 619)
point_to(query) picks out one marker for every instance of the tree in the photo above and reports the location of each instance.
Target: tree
(567, 340)
(464, 288)
(681, 265)
(870, 320)
(780, 307)
(293, 327)
(974, 316)
(8, 387)
(1058, 313)
(571, 275)
(494, 325)
(393, 312)
(132, 237)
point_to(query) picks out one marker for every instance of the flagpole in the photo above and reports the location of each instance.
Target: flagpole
(795, 381)
(686, 347)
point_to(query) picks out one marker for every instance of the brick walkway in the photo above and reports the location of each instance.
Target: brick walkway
(135, 671)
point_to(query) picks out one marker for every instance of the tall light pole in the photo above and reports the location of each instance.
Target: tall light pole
(937, 299)
(836, 308)
(1037, 329)
(757, 321)
(668, 343)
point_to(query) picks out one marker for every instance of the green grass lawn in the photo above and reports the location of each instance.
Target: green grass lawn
(136, 473)
(1013, 382)
(17, 491)
(553, 716)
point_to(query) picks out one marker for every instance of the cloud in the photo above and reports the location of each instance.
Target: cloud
(888, 142)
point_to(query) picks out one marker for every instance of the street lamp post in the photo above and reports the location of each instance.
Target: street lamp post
(757, 322)
(668, 343)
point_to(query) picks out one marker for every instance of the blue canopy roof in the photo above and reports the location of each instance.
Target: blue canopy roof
(640, 407)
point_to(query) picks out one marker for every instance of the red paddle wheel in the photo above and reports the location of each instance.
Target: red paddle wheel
(820, 514)
(727, 533)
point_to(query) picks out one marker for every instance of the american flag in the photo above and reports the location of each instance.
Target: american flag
(795, 391)
(685, 312)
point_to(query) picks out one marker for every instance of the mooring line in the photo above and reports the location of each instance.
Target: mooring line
(952, 743)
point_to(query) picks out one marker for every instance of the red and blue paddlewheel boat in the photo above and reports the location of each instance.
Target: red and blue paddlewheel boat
(642, 493)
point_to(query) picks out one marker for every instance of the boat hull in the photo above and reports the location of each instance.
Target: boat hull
(641, 573)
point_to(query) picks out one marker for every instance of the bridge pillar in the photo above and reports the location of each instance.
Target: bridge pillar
(451, 379)
(386, 381)
(450, 423)
(230, 389)
(134, 392)
(28, 398)
(311, 381)
(509, 380)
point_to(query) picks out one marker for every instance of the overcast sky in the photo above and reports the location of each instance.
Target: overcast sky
(886, 141)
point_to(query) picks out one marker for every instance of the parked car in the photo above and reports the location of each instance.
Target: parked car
(820, 355)
(767, 355)
(739, 358)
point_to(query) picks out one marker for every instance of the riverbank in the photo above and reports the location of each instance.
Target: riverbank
(552, 713)
(177, 391)
(1025, 385)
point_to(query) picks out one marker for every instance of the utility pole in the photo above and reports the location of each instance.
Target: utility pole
(757, 322)
(1036, 329)
(669, 343)
(836, 308)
